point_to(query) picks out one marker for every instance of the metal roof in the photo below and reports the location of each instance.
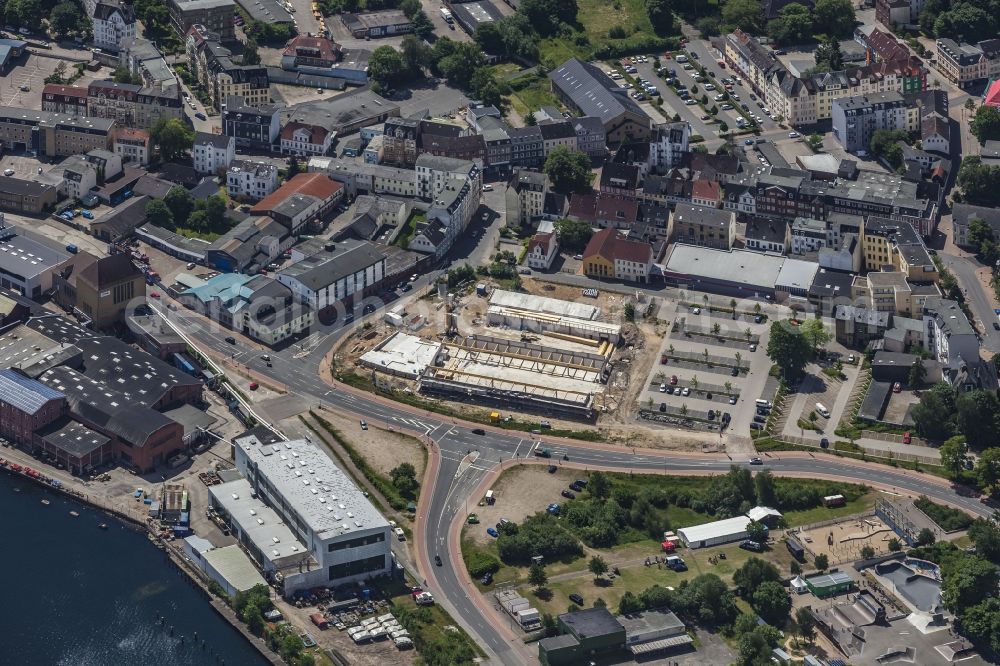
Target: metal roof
(24, 394)
(593, 91)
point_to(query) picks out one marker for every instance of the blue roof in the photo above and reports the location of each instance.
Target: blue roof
(223, 286)
(23, 393)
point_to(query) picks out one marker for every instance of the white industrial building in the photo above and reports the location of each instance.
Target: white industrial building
(403, 355)
(319, 505)
(524, 312)
(724, 531)
(229, 566)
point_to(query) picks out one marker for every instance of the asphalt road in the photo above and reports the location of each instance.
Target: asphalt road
(449, 498)
(964, 269)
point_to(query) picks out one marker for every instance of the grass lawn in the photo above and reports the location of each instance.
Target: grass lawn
(533, 96)
(209, 236)
(598, 17)
(408, 230)
(808, 516)
(433, 629)
(505, 69)
(636, 578)
(554, 51)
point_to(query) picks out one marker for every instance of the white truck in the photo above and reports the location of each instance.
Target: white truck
(446, 15)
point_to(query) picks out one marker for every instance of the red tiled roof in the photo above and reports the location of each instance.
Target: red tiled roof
(327, 49)
(68, 91)
(542, 241)
(706, 189)
(612, 244)
(609, 207)
(886, 47)
(992, 96)
(313, 184)
(583, 206)
(129, 133)
(317, 134)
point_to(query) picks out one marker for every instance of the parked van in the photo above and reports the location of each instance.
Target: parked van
(490, 499)
(821, 408)
(763, 403)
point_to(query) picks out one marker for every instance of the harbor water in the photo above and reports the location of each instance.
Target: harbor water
(78, 595)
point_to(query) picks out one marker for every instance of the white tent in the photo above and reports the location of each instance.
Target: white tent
(799, 585)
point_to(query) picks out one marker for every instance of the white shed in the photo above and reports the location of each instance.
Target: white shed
(713, 534)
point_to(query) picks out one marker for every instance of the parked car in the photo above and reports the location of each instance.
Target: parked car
(907, 438)
(486, 579)
(663, 406)
(364, 425)
(492, 532)
(568, 494)
(751, 545)
(732, 400)
(552, 469)
(673, 380)
(201, 116)
(478, 431)
(897, 387)
(686, 391)
(231, 340)
(576, 599)
(663, 388)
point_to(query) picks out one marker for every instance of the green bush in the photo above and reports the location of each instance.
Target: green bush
(947, 518)
(479, 563)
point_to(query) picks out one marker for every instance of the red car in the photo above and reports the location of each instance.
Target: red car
(673, 379)
(254, 386)
(906, 438)
(154, 294)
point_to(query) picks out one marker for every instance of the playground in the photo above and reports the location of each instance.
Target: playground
(843, 541)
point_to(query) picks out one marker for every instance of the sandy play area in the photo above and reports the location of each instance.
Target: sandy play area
(843, 541)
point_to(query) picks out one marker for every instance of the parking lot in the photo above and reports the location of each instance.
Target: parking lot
(32, 74)
(695, 377)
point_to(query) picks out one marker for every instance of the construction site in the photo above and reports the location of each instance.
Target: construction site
(502, 349)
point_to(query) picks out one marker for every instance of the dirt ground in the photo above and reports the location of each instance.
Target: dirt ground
(521, 492)
(383, 449)
(372, 654)
(849, 537)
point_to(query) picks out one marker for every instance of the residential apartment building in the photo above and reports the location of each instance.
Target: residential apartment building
(26, 196)
(304, 139)
(214, 15)
(611, 255)
(113, 24)
(251, 181)
(213, 65)
(890, 291)
(132, 145)
(53, 134)
(965, 64)
(399, 142)
(67, 100)
(899, 247)
(526, 197)
(527, 147)
(807, 236)
(856, 119)
(130, 105)
(212, 152)
(252, 127)
(557, 133)
(768, 236)
(668, 145)
(542, 250)
(591, 137)
(307, 198)
(708, 227)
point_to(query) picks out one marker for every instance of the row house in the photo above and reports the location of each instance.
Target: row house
(527, 148)
(132, 145)
(964, 64)
(130, 105)
(591, 137)
(211, 153)
(557, 133)
(399, 141)
(668, 145)
(445, 140)
(67, 100)
(305, 139)
(253, 127)
(249, 180)
(215, 68)
(619, 178)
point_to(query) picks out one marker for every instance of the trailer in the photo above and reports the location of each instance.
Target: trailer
(446, 15)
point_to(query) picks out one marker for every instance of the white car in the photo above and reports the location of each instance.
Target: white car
(719, 98)
(688, 67)
(663, 388)
(8, 172)
(727, 107)
(793, 135)
(681, 58)
(686, 391)
(690, 102)
(709, 87)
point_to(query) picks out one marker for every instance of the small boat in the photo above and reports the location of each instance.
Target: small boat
(103, 526)
(74, 514)
(46, 502)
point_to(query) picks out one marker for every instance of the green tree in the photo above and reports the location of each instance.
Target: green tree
(815, 333)
(661, 16)
(934, 415)
(793, 25)
(251, 56)
(754, 572)
(829, 57)
(415, 54)
(821, 561)
(764, 485)
(125, 75)
(988, 469)
(976, 417)
(925, 537)
(918, 372)
(66, 17)
(885, 144)
(982, 622)
(530, 119)
(597, 566)
(708, 26)
(985, 534)
(755, 645)
(834, 17)
(757, 531)
(629, 604)
(215, 212)
(24, 13)
(158, 214)
(488, 89)
(294, 168)
(894, 545)
(599, 485)
(954, 453)
(385, 65)
(772, 602)
(180, 203)
(568, 169)
(980, 182)
(966, 22)
(743, 14)
(172, 137)
(815, 143)
(805, 622)
(867, 552)
(463, 61)
(404, 478)
(788, 348)
(574, 234)
(537, 576)
(965, 580)
(985, 125)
